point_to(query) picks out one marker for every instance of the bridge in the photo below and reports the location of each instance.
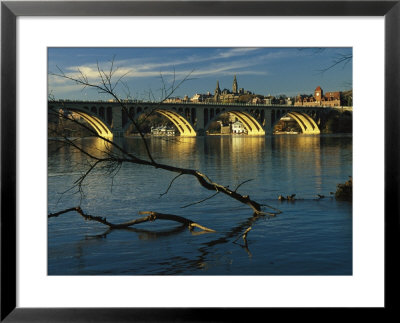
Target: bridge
(193, 119)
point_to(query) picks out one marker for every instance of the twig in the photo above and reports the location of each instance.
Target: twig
(249, 180)
(198, 202)
(170, 184)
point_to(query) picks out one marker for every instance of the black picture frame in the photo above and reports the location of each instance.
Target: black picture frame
(10, 10)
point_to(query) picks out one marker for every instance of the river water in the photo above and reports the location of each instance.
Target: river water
(312, 236)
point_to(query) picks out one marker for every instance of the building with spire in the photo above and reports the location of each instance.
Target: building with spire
(229, 96)
(217, 92)
(235, 85)
(225, 95)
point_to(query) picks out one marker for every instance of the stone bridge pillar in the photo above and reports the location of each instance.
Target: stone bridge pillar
(268, 122)
(116, 125)
(199, 127)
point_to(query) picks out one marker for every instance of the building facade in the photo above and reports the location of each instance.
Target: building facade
(238, 128)
(329, 99)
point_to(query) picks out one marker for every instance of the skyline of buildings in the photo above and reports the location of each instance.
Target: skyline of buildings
(241, 95)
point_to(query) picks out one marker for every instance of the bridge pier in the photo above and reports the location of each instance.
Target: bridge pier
(268, 122)
(199, 124)
(116, 124)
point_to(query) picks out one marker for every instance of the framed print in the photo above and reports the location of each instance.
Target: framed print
(186, 160)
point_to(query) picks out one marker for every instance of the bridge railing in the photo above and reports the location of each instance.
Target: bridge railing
(171, 103)
(208, 104)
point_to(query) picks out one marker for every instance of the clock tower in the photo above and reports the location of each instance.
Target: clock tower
(318, 94)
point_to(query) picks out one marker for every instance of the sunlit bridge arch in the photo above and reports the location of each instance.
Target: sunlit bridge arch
(98, 125)
(306, 123)
(252, 126)
(184, 127)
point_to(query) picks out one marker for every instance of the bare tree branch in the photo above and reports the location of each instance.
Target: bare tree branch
(341, 59)
(115, 155)
(129, 158)
(152, 216)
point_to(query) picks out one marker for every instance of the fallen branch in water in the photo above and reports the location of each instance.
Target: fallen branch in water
(177, 218)
(244, 236)
(152, 216)
(245, 245)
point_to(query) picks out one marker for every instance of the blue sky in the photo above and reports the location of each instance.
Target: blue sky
(263, 71)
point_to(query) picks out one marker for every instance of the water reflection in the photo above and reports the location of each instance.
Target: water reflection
(69, 154)
(142, 233)
(202, 259)
(225, 151)
(178, 264)
(299, 153)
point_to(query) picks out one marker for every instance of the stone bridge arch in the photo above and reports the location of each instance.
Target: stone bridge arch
(94, 116)
(303, 119)
(180, 122)
(249, 121)
(177, 117)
